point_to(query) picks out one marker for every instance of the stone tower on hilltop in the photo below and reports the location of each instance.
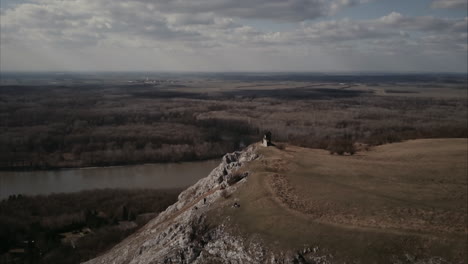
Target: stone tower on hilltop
(266, 141)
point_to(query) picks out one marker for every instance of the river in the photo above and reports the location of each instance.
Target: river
(152, 176)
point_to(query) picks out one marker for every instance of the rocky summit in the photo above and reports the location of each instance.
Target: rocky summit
(395, 203)
(181, 234)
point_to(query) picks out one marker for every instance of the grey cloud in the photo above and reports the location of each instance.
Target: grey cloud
(192, 19)
(423, 23)
(343, 30)
(393, 24)
(277, 10)
(264, 9)
(211, 27)
(84, 22)
(458, 4)
(391, 34)
(340, 4)
(93, 21)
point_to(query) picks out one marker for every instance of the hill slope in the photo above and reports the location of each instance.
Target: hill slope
(398, 203)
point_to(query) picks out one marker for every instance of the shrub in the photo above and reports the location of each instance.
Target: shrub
(342, 145)
(281, 146)
(236, 176)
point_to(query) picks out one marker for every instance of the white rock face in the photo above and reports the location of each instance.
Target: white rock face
(180, 235)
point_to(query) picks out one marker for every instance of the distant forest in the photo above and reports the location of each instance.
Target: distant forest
(80, 124)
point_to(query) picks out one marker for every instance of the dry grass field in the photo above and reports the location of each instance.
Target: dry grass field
(393, 203)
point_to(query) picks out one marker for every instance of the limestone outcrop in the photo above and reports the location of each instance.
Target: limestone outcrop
(180, 234)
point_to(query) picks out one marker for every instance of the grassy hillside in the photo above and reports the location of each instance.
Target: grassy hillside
(396, 202)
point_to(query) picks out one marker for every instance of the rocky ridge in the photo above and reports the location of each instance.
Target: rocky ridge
(180, 234)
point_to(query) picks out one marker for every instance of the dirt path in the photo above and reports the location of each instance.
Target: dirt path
(315, 218)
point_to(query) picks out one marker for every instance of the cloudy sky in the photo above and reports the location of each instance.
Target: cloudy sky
(234, 35)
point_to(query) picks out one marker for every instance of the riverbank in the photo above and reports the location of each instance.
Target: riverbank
(101, 165)
(155, 176)
(81, 165)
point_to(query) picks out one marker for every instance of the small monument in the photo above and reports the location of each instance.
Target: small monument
(267, 139)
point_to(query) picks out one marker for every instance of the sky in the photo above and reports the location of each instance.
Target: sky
(234, 35)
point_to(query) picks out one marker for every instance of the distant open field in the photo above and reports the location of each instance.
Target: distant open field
(78, 120)
(395, 202)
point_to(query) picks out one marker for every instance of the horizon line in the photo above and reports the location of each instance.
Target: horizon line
(232, 72)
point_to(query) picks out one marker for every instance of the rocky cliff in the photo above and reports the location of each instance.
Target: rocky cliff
(180, 234)
(300, 205)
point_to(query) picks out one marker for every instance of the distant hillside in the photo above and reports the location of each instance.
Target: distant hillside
(396, 203)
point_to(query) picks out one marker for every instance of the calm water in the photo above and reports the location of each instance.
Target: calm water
(165, 175)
